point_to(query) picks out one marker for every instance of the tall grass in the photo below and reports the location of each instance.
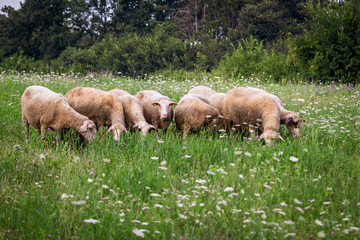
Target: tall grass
(207, 186)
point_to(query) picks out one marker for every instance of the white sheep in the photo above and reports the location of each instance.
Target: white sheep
(203, 91)
(104, 108)
(133, 111)
(193, 112)
(158, 109)
(43, 109)
(258, 109)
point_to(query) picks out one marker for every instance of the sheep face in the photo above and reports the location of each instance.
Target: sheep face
(270, 136)
(116, 131)
(164, 107)
(88, 130)
(212, 121)
(144, 127)
(294, 124)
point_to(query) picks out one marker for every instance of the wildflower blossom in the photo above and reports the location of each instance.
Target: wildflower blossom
(293, 159)
(289, 235)
(90, 220)
(82, 202)
(319, 223)
(229, 189)
(321, 235)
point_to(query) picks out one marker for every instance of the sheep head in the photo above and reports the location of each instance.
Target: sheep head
(270, 136)
(164, 107)
(116, 130)
(294, 124)
(88, 130)
(144, 127)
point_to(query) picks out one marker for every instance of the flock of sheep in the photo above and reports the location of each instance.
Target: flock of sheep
(85, 108)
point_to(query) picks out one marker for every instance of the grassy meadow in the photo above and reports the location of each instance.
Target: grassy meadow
(208, 186)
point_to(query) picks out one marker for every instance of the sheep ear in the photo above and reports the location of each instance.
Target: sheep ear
(110, 129)
(84, 127)
(155, 104)
(289, 120)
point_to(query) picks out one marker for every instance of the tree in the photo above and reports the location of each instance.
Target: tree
(330, 49)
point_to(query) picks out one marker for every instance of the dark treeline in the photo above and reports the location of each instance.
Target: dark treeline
(278, 38)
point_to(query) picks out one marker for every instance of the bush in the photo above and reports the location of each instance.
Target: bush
(330, 49)
(251, 58)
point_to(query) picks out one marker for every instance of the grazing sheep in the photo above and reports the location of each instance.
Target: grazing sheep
(257, 108)
(158, 109)
(102, 107)
(193, 112)
(217, 101)
(133, 111)
(43, 109)
(203, 91)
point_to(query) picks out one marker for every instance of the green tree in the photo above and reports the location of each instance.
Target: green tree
(330, 48)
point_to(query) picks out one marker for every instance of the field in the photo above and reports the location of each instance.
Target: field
(208, 186)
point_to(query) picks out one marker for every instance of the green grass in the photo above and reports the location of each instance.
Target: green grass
(209, 186)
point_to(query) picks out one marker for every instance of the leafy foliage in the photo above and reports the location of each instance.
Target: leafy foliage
(330, 48)
(251, 57)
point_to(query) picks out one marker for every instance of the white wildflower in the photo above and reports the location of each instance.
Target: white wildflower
(210, 173)
(65, 196)
(105, 186)
(158, 206)
(241, 176)
(238, 152)
(321, 235)
(154, 158)
(90, 180)
(138, 232)
(267, 186)
(107, 160)
(300, 209)
(319, 223)
(182, 216)
(326, 203)
(155, 195)
(297, 201)
(90, 220)
(247, 154)
(288, 222)
(290, 235)
(42, 156)
(222, 202)
(163, 168)
(187, 156)
(233, 195)
(293, 159)
(201, 181)
(81, 202)
(229, 189)
(354, 229)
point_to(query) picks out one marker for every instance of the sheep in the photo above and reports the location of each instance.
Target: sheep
(102, 107)
(43, 109)
(194, 112)
(203, 91)
(216, 99)
(158, 109)
(133, 111)
(260, 109)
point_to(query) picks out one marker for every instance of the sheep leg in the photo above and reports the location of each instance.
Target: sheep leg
(26, 123)
(43, 132)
